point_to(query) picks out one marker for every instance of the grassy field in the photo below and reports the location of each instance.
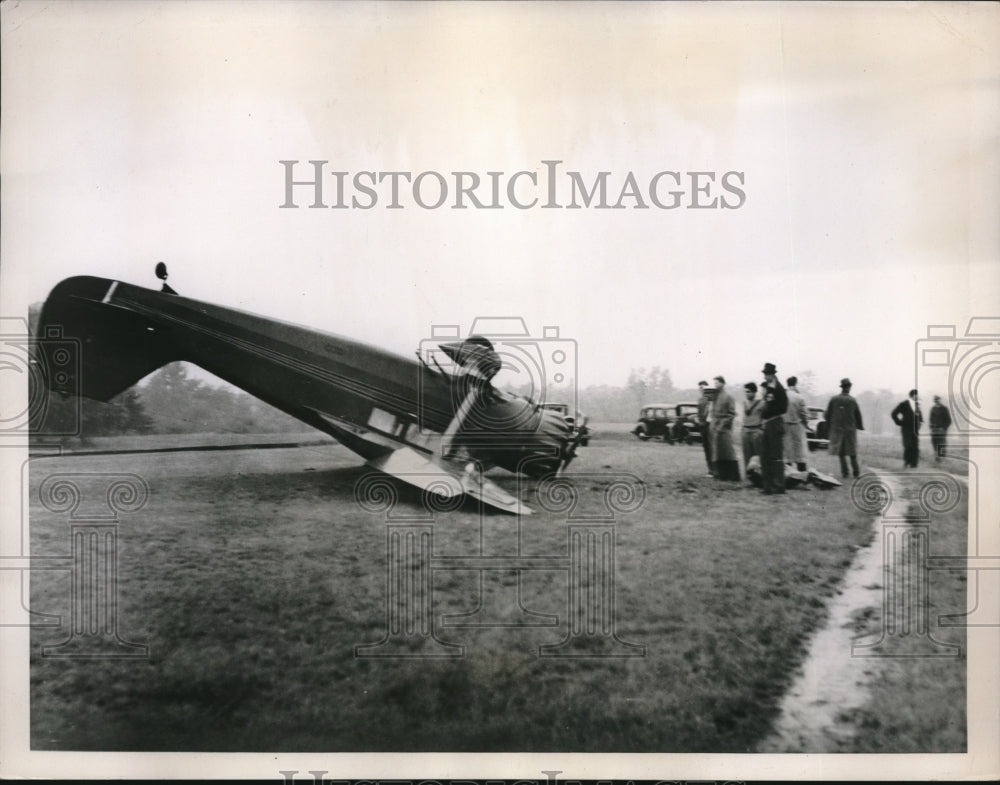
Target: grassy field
(252, 575)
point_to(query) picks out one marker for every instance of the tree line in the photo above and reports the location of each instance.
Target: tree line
(171, 400)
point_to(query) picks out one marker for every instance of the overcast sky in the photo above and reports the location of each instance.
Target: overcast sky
(867, 137)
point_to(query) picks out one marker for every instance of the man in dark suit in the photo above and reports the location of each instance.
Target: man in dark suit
(772, 460)
(909, 419)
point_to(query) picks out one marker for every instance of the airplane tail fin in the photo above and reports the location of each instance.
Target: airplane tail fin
(88, 346)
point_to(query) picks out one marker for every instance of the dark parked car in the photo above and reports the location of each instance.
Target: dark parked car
(654, 421)
(672, 422)
(578, 422)
(686, 428)
(816, 430)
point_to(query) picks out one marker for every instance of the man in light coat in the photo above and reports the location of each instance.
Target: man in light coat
(704, 417)
(843, 421)
(727, 466)
(796, 420)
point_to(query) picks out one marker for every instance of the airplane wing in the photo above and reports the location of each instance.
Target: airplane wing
(446, 479)
(423, 467)
(823, 480)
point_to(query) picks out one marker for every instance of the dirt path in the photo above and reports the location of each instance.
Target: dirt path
(816, 711)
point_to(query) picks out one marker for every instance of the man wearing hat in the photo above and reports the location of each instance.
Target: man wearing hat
(772, 461)
(796, 421)
(909, 419)
(843, 421)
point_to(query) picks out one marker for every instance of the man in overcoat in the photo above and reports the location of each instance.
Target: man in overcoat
(796, 419)
(940, 420)
(909, 419)
(727, 466)
(704, 416)
(772, 462)
(843, 421)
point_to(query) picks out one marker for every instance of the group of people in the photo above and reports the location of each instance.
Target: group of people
(775, 423)
(909, 418)
(774, 428)
(843, 419)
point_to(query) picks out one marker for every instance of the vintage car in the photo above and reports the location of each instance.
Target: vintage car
(671, 422)
(816, 430)
(686, 428)
(580, 432)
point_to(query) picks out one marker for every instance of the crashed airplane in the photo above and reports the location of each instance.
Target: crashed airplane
(436, 425)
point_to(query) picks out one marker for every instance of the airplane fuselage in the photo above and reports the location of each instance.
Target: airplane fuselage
(367, 398)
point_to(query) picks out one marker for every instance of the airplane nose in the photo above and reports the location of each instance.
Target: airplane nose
(471, 354)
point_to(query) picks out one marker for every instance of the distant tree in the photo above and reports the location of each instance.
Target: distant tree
(807, 386)
(264, 418)
(875, 408)
(637, 385)
(603, 403)
(170, 397)
(660, 385)
(650, 385)
(123, 414)
(180, 403)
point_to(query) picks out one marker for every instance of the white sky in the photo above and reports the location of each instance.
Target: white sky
(868, 134)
